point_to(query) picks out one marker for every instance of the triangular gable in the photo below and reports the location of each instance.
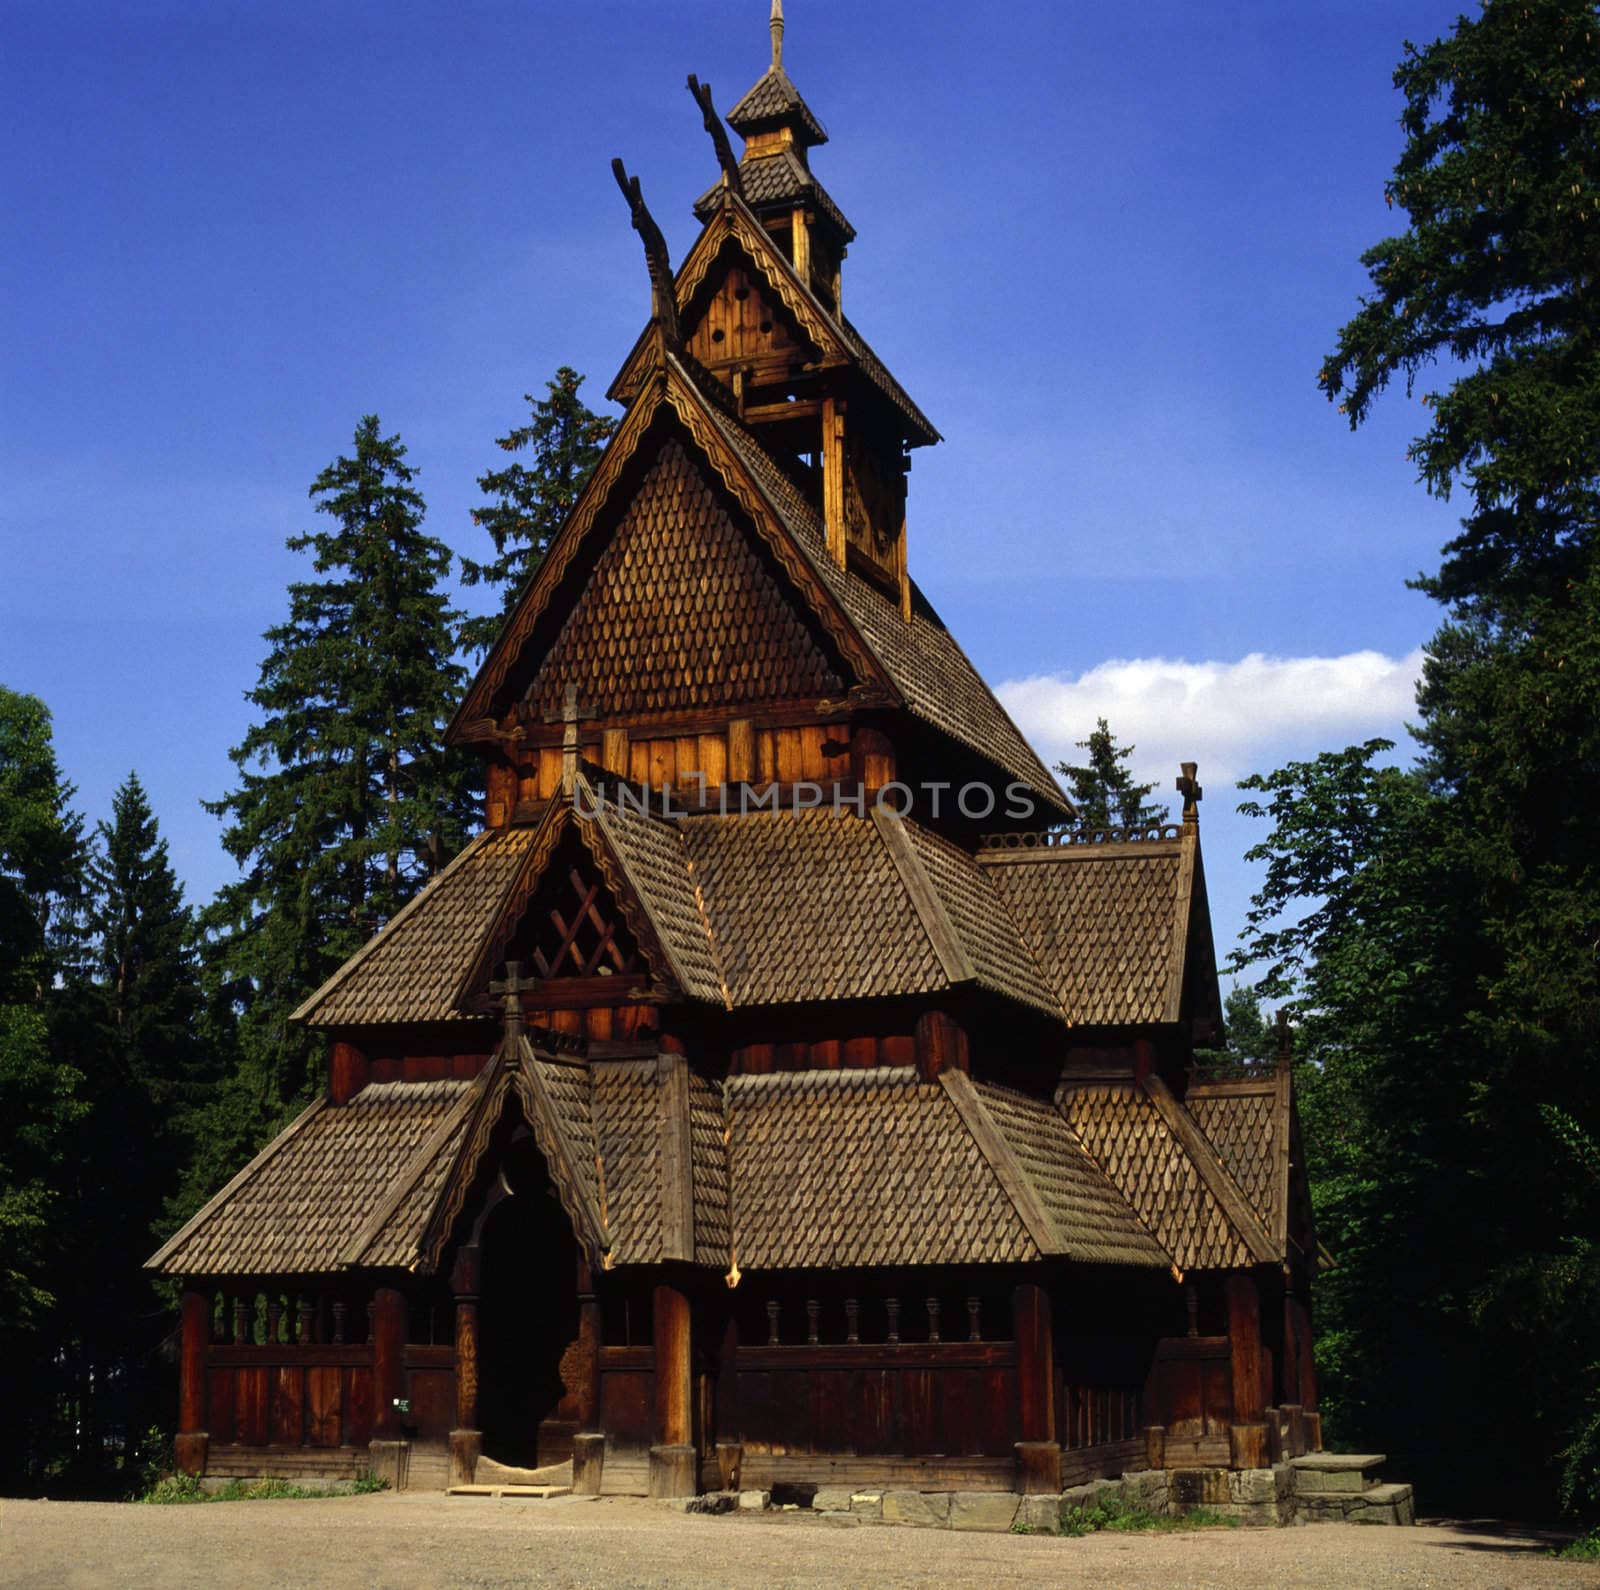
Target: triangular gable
(669, 409)
(571, 911)
(552, 1098)
(837, 342)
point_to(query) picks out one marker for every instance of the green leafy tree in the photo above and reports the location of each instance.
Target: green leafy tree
(348, 799)
(529, 502)
(1249, 1040)
(1104, 790)
(1436, 927)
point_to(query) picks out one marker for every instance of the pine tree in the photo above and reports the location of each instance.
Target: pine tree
(530, 503)
(1103, 789)
(348, 799)
(41, 880)
(144, 957)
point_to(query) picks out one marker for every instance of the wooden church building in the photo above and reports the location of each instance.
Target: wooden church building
(782, 1087)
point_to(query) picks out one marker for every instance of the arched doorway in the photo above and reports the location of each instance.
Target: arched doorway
(528, 1316)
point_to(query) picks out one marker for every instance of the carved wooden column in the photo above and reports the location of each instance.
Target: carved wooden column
(672, 1459)
(1247, 1436)
(466, 1440)
(388, 1451)
(589, 1441)
(1038, 1452)
(192, 1440)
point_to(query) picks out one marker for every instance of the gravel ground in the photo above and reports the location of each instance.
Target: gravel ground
(413, 1540)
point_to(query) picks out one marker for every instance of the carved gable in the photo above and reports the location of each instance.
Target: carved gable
(573, 926)
(682, 611)
(734, 319)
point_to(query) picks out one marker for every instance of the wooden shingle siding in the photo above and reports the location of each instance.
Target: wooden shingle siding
(681, 612)
(1123, 1131)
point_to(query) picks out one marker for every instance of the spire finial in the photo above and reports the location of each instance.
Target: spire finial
(776, 25)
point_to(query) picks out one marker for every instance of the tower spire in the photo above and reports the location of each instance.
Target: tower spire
(776, 27)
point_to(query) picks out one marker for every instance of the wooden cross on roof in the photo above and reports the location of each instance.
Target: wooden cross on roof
(571, 714)
(1189, 787)
(1285, 1036)
(511, 988)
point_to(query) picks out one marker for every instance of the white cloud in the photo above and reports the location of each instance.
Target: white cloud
(1232, 718)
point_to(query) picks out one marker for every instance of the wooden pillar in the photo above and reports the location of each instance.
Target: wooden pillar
(730, 1449)
(466, 1439)
(388, 1452)
(833, 478)
(589, 1441)
(941, 1044)
(192, 1439)
(1038, 1452)
(741, 755)
(348, 1072)
(672, 1458)
(1247, 1437)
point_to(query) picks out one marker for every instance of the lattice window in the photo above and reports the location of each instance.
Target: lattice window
(573, 927)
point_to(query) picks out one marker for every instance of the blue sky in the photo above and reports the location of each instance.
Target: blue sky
(1105, 248)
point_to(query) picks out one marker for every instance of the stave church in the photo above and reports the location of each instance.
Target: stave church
(783, 1088)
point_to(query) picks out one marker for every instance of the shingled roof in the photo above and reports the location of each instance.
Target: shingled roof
(777, 179)
(297, 1206)
(772, 101)
(802, 1169)
(1158, 1158)
(1248, 1121)
(1109, 921)
(411, 969)
(841, 1169)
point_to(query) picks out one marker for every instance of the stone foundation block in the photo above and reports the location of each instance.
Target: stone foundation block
(866, 1504)
(1041, 1514)
(1150, 1489)
(754, 1501)
(930, 1509)
(832, 1499)
(994, 1511)
(1200, 1487)
(1253, 1485)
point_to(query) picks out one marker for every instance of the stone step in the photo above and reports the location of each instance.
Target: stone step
(1335, 1473)
(1379, 1504)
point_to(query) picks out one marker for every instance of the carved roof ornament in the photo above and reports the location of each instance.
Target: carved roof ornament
(663, 293)
(775, 26)
(731, 175)
(1188, 787)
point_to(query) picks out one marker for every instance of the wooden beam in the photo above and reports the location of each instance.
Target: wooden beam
(1002, 1161)
(833, 477)
(936, 923)
(677, 1164)
(389, 1320)
(672, 1457)
(1038, 1452)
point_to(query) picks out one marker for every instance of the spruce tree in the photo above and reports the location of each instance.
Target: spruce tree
(348, 799)
(530, 502)
(41, 1090)
(146, 970)
(1103, 788)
